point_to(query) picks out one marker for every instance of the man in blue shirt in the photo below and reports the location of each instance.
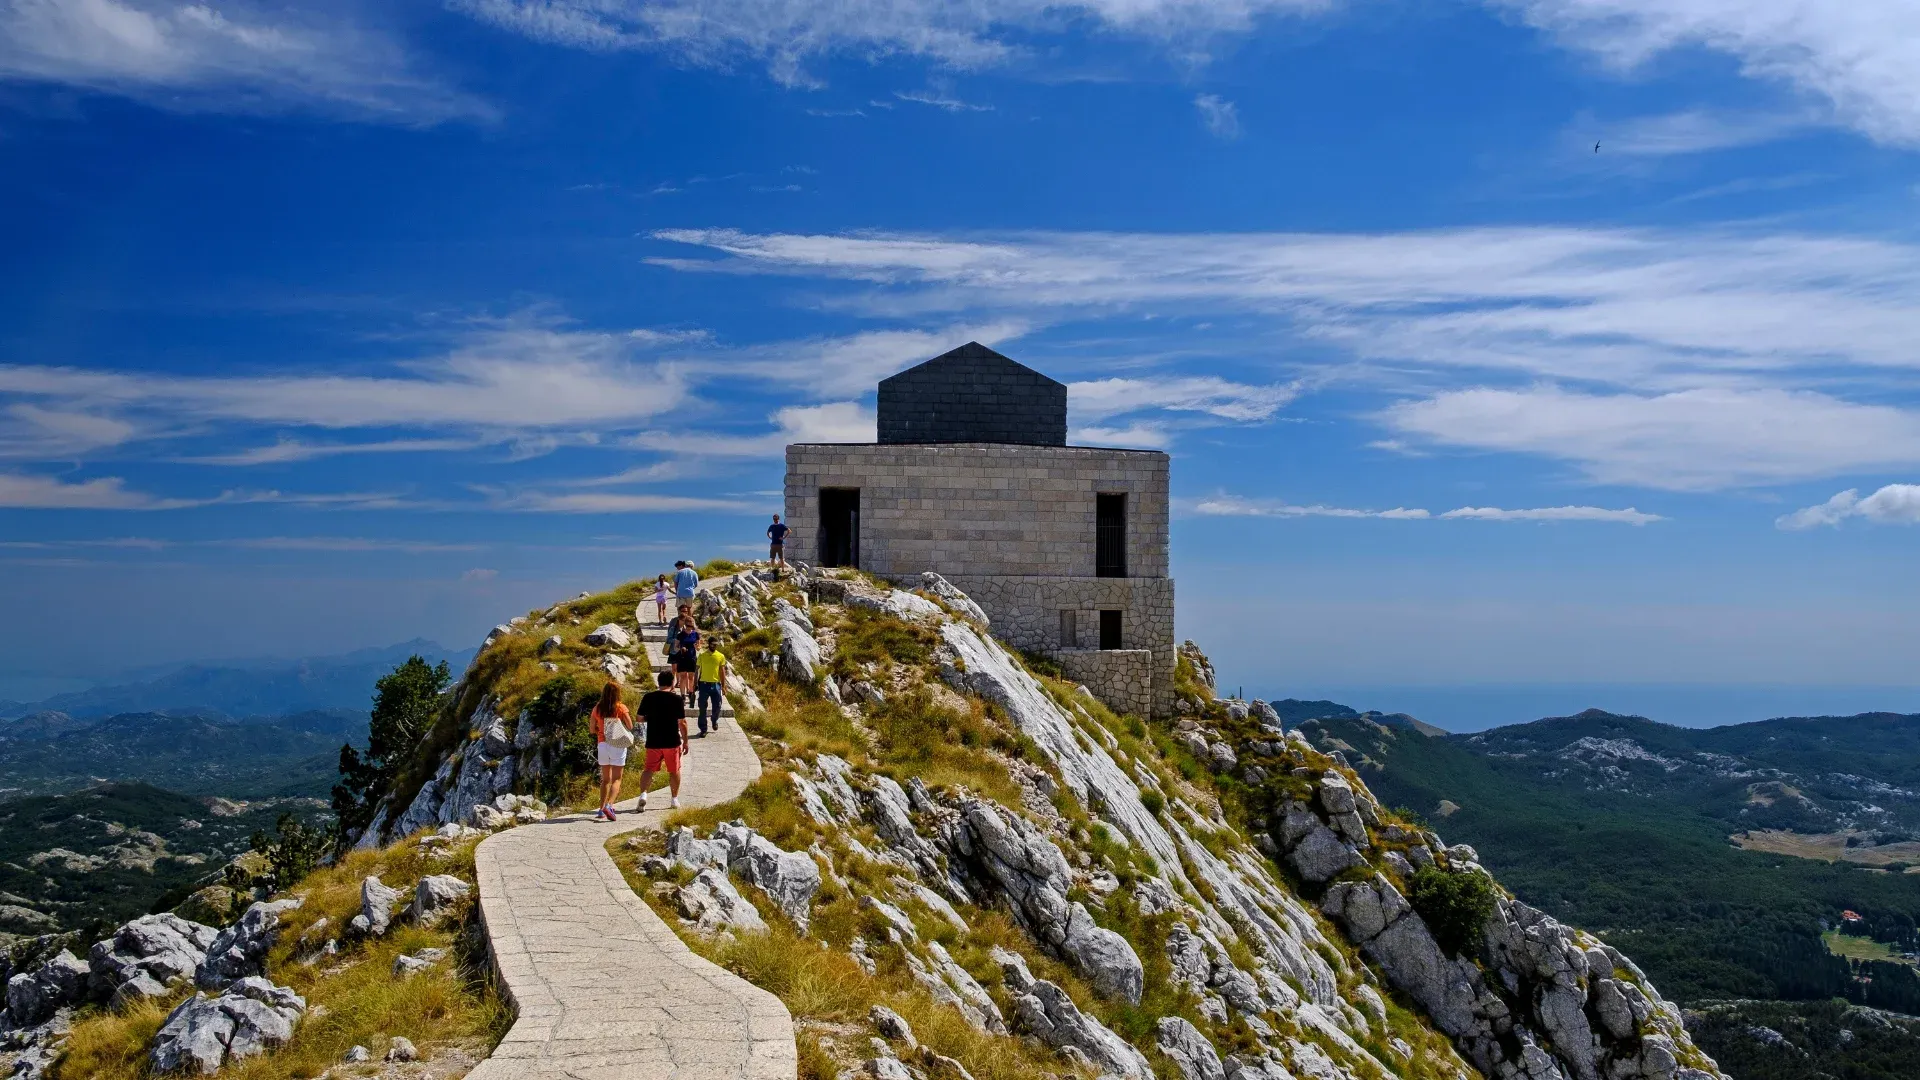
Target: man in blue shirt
(685, 581)
(777, 544)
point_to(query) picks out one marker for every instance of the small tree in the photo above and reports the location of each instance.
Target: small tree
(1455, 905)
(293, 854)
(406, 701)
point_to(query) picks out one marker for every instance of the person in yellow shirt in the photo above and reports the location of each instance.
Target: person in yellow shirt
(711, 683)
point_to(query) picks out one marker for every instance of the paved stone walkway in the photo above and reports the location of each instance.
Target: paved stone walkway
(601, 987)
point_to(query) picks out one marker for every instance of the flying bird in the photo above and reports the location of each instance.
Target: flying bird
(1596, 148)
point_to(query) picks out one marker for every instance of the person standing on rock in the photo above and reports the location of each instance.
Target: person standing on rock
(612, 734)
(665, 715)
(660, 599)
(683, 651)
(686, 580)
(777, 544)
(711, 684)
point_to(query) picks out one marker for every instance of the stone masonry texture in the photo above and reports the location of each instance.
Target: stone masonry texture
(1014, 527)
(973, 395)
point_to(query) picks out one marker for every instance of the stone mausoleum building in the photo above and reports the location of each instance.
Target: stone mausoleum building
(1064, 547)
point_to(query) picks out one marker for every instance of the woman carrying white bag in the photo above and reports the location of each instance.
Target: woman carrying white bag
(613, 731)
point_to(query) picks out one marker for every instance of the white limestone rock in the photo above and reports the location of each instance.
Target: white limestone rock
(436, 898)
(203, 1033)
(789, 878)
(376, 907)
(241, 949)
(34, 997)
(1192, 1055)
(153, 950)
(800, 655)
(711, 903)
(610, 636)
(950, 595)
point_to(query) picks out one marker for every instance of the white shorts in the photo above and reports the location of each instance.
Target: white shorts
(612, 755)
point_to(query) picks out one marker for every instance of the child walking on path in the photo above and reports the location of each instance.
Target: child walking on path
(712, 683)
(660, 599)
(612, 734)
(665, 717)
(685, 651)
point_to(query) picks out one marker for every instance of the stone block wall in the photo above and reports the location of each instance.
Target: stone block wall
(980, 508)
(1013, 527)
(1123, 679)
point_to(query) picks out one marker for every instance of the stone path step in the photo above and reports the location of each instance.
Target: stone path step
(603, 989)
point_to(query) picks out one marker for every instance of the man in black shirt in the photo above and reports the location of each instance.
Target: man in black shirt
(777, 544)
(664, 714)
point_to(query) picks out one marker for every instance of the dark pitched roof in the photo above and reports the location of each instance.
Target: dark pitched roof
(973, 395)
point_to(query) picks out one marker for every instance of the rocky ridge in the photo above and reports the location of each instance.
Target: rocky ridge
(1242, 886)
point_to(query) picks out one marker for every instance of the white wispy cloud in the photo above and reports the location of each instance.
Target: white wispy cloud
(286, 451)
(30, 432)
(848, 365)
(940, 100)
(1144, 436)
(1099, 399)
(610, 502)
(25, 491)
(228, 55)
(1690, 358)
(526, 386)
(1219, 116)
(1860, 58)
(344, 544)
(1894, 504)
(1629, 516)
(786, 35)
(1700, 439)
(1239, 506)
(1690, 131)
(835, 421)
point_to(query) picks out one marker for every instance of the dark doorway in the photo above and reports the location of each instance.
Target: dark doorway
(1110, 630)
(1110, 536)
(840, 527)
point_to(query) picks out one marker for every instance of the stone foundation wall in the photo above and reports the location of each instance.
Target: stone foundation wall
(1123, 679)
(1026, 615)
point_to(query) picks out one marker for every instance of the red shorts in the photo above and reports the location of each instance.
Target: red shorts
(668, 759)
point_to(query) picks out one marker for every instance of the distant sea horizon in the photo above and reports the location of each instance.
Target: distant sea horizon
(1469, 708)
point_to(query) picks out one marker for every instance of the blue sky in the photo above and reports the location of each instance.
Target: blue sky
(330, 324)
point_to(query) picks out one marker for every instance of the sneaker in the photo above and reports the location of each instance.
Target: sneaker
(641, 803)
(675, 803)
(611, 814)
(600, 814)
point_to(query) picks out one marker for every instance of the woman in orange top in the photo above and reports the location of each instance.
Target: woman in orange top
(613, 759)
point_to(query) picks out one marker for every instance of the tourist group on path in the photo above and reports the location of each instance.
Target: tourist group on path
(696, 677)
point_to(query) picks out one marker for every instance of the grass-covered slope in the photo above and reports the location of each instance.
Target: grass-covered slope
(448, 1011)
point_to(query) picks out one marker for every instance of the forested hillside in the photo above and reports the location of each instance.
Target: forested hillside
(1625, 826)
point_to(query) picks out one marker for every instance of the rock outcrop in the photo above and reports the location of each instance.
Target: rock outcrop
(203, 1033)
(241, 950)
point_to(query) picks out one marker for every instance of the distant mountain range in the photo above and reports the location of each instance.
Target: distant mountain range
(196, 754)
(247, 687)
(1724, 860)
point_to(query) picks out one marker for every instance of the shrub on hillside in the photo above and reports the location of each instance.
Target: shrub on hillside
(406, 702)
(1455, 905)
